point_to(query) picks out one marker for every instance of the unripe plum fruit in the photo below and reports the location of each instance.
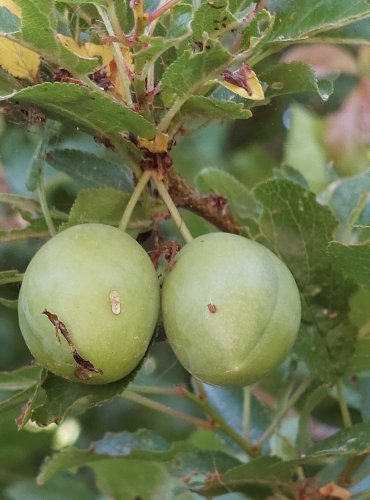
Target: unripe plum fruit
(89, 303)
(231, 309)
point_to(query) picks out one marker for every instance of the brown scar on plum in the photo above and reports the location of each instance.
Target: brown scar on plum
(212, 308)
(83, 364)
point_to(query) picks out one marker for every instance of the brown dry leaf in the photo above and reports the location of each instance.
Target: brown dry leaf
(335, 491)
(10, 5)
(325, 59)
(243, 82)
(19, 61)
(157, 145)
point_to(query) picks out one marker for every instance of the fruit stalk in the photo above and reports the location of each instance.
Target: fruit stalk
(175, 214)
(143, 181)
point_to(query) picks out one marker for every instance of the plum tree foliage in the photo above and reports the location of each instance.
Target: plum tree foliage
(186, 245)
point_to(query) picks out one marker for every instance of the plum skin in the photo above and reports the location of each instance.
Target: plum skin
(73, 276)
(231, 309)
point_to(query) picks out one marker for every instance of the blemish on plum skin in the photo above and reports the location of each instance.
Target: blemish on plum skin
(83, 365)
(212, 308)
(115, 302)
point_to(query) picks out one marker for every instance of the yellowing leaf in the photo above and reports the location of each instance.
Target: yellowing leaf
(104, 51)
(19, 61)
(88, 50)
(243, 82)
(11, 6)
(157, 145)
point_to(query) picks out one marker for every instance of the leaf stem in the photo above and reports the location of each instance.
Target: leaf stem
(175, 214)
(280, 414)
(154, 405)
(143, 181)
(123, 69)
(346, 417)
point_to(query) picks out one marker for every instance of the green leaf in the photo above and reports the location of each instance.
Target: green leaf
(352, 260)
(104, 206)
(304, 148)
(9, 22)
(59, 396)
(20, 379)
(360, 317)
(39, 28)
(229, 404)
(83, 2)
(239, 5)
(180, 20)
(355, 33)
(328, 355)
(15, 402)
(11, 276)
(215, 109)
(293, 78)
(119, 479)
(180, 457)
(257, 478)
(90, 169)
(190, 71)
(239, 197)
(304, 432)
(346, 195)
(350, 441)
(299, 19)
(299, 230)
(256, 30)
(58, 489)
(211, 18)
(89, 109)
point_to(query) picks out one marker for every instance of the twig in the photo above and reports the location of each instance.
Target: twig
(284, 410)
(206, 206)
(154, 405)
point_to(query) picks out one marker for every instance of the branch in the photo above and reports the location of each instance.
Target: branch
(214, 208)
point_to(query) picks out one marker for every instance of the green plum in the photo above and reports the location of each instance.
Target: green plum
(231, 309)
(89, 303)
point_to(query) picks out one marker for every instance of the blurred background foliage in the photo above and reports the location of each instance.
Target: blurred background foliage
(324, 145)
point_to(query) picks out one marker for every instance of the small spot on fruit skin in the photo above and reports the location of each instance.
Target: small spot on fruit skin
(212, 308)
(115, 302)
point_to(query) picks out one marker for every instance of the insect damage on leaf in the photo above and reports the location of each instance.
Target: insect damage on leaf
(243, 82)
(83, 364)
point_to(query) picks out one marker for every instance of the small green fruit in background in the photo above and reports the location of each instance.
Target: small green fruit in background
(231, 309)
(89, 303)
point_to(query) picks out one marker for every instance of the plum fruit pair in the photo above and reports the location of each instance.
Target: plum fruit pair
(90, 300)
